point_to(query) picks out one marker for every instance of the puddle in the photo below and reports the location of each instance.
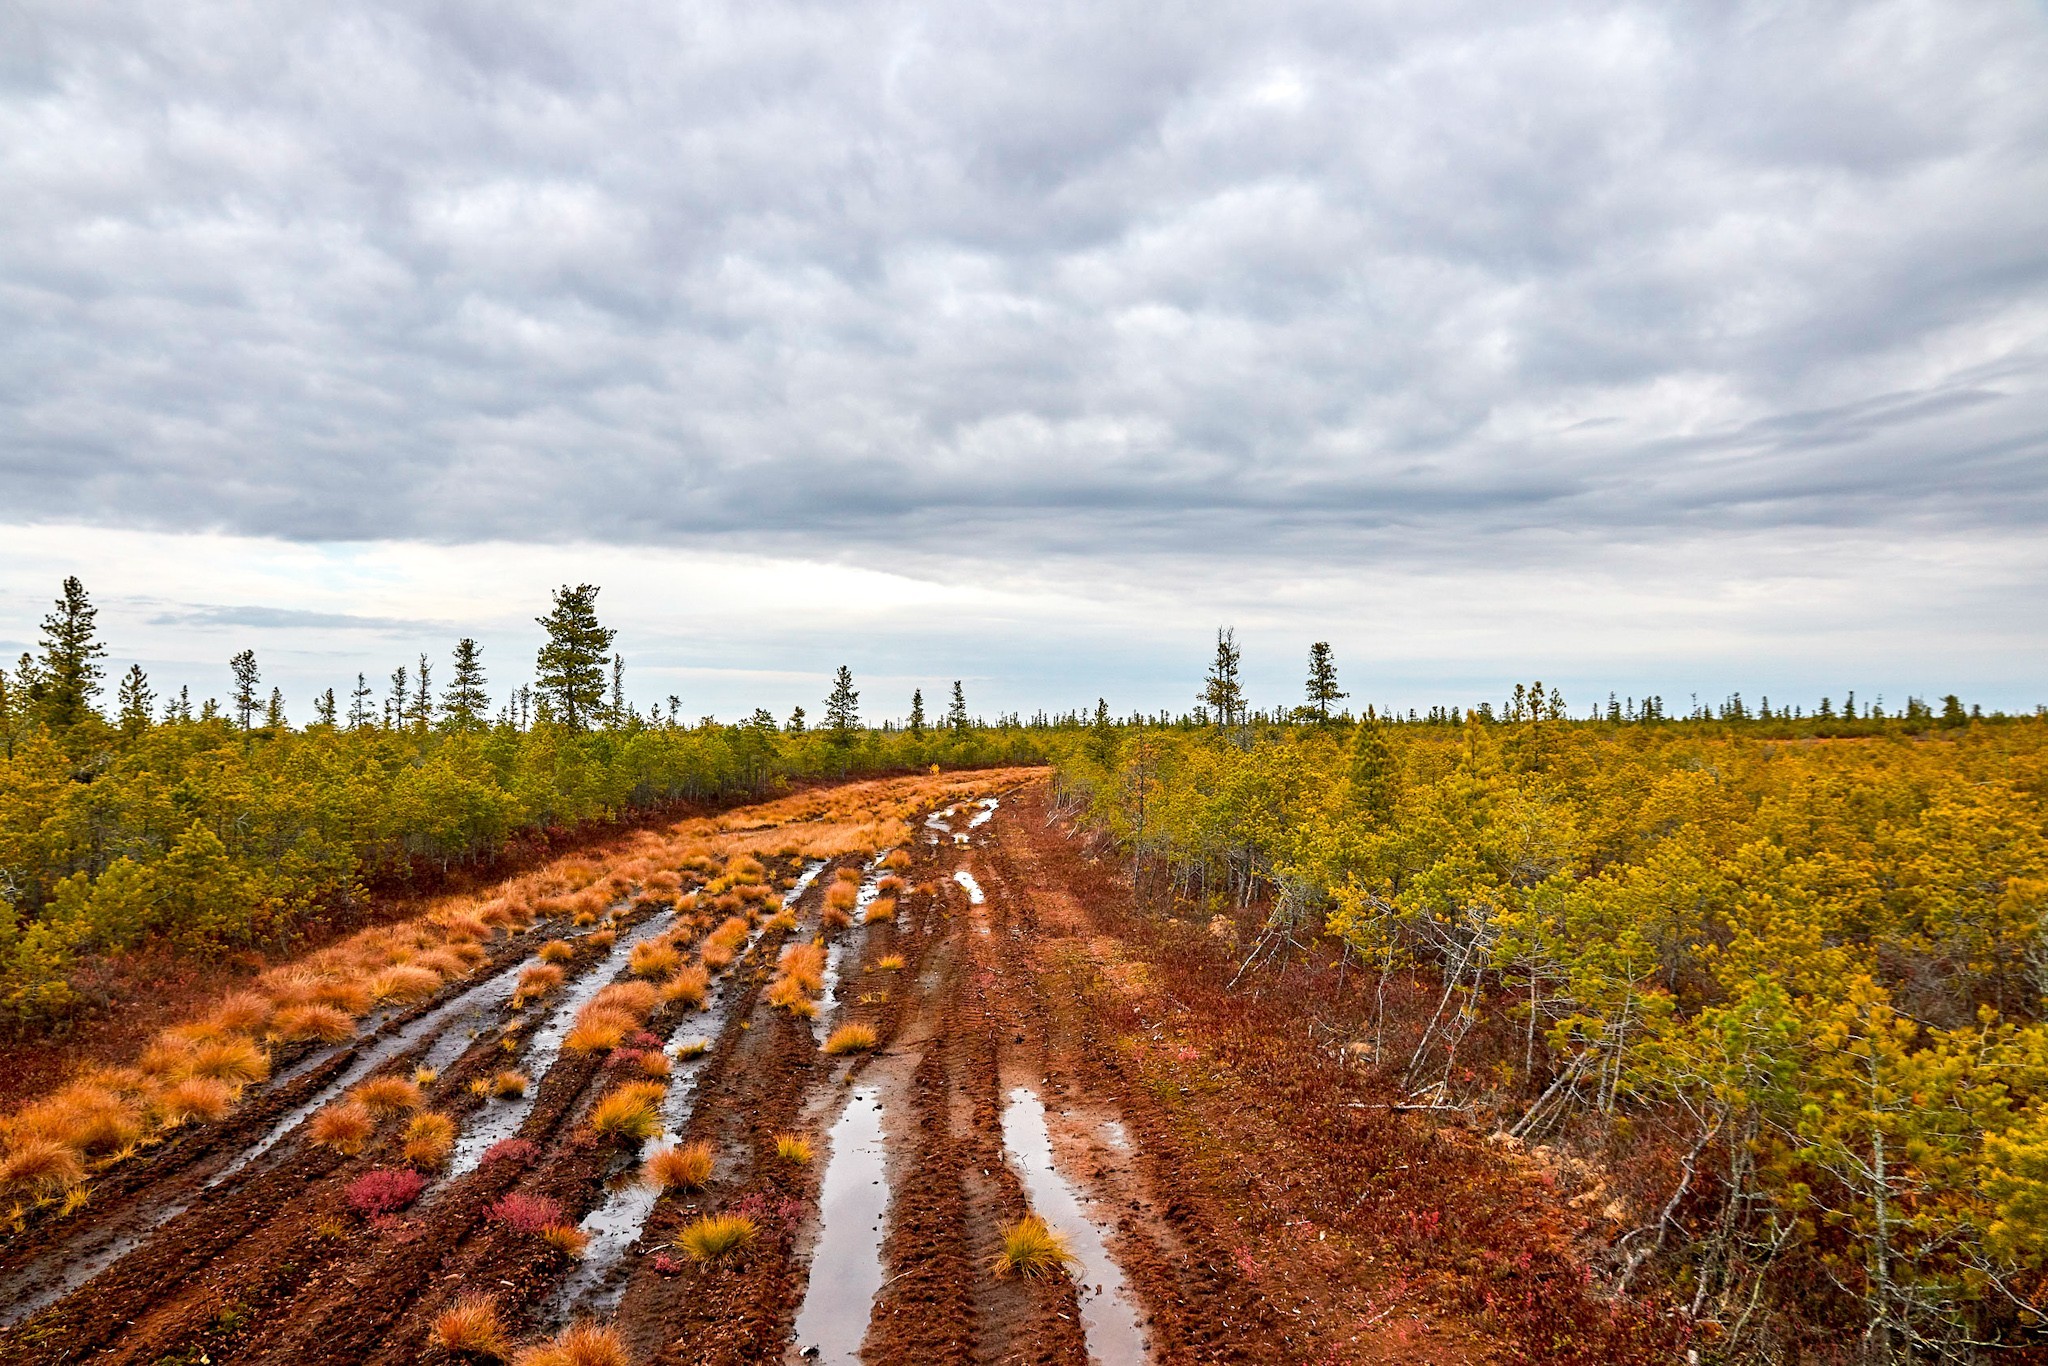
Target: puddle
(966, 879)
(597, 1282)
(982, 817)
(501, 1119)
(1107, 1313)
(1114, 1134)
(846, 1265)
(847, 943)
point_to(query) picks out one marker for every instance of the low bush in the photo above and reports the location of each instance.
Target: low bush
(524, 1212)
(520, 1152)
(385, 1191)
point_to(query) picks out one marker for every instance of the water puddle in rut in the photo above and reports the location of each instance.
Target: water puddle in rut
(846, 1265)
(501, 1120)
(1108, 1315)
(597, 1282)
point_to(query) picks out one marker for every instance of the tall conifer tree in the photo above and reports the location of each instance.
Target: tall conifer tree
(70, 673)
(571, 665)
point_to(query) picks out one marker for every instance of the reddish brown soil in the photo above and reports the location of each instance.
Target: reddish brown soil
(1270, 1206)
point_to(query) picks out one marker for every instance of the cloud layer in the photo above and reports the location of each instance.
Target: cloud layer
(1340, 294)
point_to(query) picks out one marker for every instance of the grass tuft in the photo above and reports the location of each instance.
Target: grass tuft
(716, 1236)
(388, 1095)
(41, 1164)
(509, 1085)
(566, 1239)
(631, 1114)
(891, 962)
(556, 951)
(1032, 1248)
(793, 1148)
(687, 986)
(880, 909)
(429, 1138)
(344, 1126)
(851, 1038)
(204, 1099)
(686, 1168)
(471, 1325)
(581, 1344)
(322, 1024)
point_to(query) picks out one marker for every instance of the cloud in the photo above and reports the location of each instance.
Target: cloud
(1339, 293)
(289, 618)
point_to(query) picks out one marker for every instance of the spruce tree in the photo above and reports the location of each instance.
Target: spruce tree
(1221, 692)
(1101, 738)
(137, 701)
(1322, 681)
(618, 706)
(324, 708)
(395, 704)
(359, 704)
(273, 715)
(246, 679)
(570, 667)
(842, 708)
(917, 711)
(420, 710)
(70, 673)
(796, 721)
(956, 712)
(1375, 774)
(464, 704)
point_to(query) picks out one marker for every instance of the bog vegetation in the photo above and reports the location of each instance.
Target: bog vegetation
(1762, 989)
(156, 825)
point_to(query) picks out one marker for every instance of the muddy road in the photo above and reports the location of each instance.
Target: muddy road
(1228, 1189)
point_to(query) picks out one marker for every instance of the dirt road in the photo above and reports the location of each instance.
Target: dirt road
(1233, 1189)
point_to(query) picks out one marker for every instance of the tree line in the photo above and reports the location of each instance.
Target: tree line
(155, 824)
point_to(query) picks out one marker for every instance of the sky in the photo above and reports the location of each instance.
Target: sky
(1649, 348)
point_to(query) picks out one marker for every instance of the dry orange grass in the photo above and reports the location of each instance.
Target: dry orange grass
(631, 1114)
(509, 1085)
(897, 860)
(803, 963)
(536, 981)
(344, 1127)
(581, 1344)
(566, 1239)
(324, 1024)
(201, 1099)
(471, 1325)
(891, 885)
(556, 951)
(880, 909)
(654, 959)
(688, 986)
(637, 999)
(843, 896)
(599, 1031)
(793, 1148)
(851, 1038)
(687, 1168)
(429, 1138)
(716, 1236)
(406, 983)
(41, 1164)
(387, 1095)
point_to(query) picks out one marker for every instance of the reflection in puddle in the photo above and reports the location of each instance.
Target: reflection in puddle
(846, 1266)
(1107, 1313)
(598, 1281)
(966, 879)
(498, 1120)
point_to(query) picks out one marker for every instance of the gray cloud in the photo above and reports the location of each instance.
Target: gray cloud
(290, 618)
(1283, 280)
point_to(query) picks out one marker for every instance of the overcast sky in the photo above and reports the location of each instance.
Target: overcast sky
(1646, 347)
